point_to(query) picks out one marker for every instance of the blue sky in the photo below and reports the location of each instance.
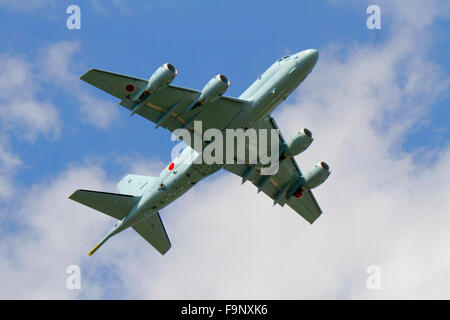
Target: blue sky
(202, 38)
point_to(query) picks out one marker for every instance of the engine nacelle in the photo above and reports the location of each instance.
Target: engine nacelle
(313, 178)
(161, 78)
(299, 143)
(317, 175)
(214, 89)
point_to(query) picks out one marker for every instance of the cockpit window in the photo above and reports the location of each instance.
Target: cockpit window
(284, 58)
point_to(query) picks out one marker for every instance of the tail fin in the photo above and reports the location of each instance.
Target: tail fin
(135, 184)
(113, 204)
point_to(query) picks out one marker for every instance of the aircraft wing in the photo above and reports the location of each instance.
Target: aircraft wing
(170, 107)
(153, 231)
(275, 185)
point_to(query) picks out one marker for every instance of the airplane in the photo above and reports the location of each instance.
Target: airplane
(173, 107)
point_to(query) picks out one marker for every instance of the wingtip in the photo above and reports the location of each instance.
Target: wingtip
(165, 251)
(85, 75)
(72, 196)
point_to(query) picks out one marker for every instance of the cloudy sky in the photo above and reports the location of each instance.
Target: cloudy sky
(377, 102)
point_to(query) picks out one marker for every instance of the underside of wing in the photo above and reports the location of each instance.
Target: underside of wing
(118, 85)
(171, 108)
(306, 206)
(275, 186)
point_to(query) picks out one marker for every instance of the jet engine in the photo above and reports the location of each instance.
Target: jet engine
(313, 178)
(162, 77)
(214, 89)
(299, 143)
(317, 175)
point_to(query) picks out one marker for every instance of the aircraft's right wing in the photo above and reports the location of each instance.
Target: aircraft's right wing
(171, 106)
(275, 186)
(152, 230)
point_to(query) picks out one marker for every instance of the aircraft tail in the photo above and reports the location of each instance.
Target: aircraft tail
(118, 205)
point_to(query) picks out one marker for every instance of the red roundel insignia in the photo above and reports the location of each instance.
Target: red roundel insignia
(298, 194)
(129, 87)
(171, 166)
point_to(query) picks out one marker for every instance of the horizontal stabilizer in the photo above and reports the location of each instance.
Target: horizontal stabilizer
(113, 204)
(152, 230)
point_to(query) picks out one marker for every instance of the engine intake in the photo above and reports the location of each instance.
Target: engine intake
(299, 143)
(317, 175)
(214, 89)
(162, 77)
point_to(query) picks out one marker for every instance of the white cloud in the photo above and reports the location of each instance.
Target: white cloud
(20, 107)
(34, 259)
(24, 114)
(21, 88)
(14, 74)
(56, 61)
(55, 65)
(417, 14)
(36, 117)
(98, 112)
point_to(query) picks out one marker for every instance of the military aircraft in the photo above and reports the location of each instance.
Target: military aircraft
(173, 107)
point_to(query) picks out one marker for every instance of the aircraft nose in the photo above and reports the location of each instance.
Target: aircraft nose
(311, 55)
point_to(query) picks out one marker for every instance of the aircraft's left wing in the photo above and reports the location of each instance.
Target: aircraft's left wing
(275, 186)
(171, 107)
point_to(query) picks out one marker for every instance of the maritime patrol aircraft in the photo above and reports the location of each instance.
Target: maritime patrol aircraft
(173, 107)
